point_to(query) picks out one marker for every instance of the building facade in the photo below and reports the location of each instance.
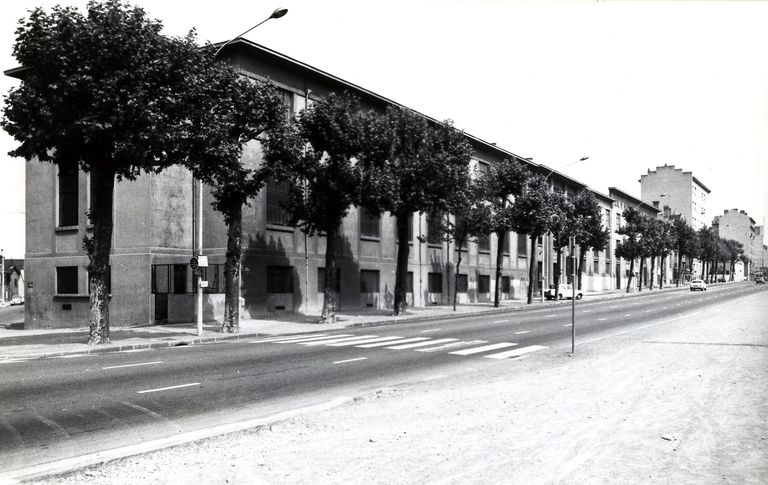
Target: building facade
(682, 192)
(738, 225)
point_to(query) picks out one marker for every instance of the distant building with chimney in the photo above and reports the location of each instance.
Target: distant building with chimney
(680, 191)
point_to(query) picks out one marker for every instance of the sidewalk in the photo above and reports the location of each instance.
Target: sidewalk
(18, 343)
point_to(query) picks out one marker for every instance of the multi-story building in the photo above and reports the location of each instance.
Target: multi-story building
(738, 225)
(282, 268)
(621, 202)
(680, 191)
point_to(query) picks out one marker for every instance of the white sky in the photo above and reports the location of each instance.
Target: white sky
(631, 85)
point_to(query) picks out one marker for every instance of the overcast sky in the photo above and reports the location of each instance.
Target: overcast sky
(631, 85)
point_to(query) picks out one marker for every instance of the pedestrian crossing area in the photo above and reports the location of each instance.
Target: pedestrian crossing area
(453, 346)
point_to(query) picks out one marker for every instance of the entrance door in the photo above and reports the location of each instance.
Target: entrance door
(161, 307)
(618, 276)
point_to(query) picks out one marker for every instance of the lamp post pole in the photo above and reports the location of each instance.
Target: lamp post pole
(198, 239)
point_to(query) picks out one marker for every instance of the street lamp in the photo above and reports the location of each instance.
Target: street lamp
(566, 165)
(279, 12)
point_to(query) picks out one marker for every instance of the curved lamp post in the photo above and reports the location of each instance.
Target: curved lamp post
(279, 12)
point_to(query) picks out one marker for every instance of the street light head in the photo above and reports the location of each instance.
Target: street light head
(583, 158)
(279, 12)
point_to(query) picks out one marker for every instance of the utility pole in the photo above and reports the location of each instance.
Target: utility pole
(2, 276)
(573, 296)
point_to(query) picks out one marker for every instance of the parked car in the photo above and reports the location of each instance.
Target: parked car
(17, 300)
(563, 290)
(698, 285)
(759, 279)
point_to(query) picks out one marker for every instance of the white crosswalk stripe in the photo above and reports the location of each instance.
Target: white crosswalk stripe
(284, 338)
(463, 343)
(311, 339)
(516, 353)
(484, 348)
(336, 340)
(383, 344)
(422, 344)
(368, 340)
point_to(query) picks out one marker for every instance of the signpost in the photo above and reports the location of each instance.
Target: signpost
(573, 297)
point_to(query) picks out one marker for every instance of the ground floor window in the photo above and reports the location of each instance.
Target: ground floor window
(409, 282)
(369, 281)
(66, 280)
(461, 283)
(279, 279)
(505, 284)
(484, 284)
(435, 282)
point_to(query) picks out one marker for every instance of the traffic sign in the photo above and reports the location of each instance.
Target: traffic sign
(193, 263)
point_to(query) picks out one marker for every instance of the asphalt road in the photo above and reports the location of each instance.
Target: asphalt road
(55, 408)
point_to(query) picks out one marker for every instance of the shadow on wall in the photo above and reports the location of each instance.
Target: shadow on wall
(270, 283)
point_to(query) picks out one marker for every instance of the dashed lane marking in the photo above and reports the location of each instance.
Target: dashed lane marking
(422, 344)
(516, 352)
(349, 360)
(501, 321)
(567, 325)
(628, 315)
(131, 365)
(601, 319)
(430, 330)
(522, 332)
(485, 348)
(383, 344)
(147, 391)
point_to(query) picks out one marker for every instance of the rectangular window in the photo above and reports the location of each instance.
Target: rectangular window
(370, 224)
(214, 275)
(522, 245)
(483, 283)
(180, 278)
(461, 283)
(505, 284)
(161, 278)
(435, 282)
(109, 281)
(597, 265)
(68, 195)
(277, 198)
(484, 244)
(321, 280)
(434, 228)
(507, 239)
(66, 280)
(369, 281)
(288, 102)
(279, 279)
(482, 168)
(409, 282)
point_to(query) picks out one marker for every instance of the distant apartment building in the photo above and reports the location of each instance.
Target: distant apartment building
(738, 225)
(683, 193)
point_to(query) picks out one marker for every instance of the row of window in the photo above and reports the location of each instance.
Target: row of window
(67, 280)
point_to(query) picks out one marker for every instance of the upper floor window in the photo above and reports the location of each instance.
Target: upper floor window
(68, 195)
(277, 197)
(522, 245)
(484, 243)
(370, 224)
(434, 228)
(288, 102)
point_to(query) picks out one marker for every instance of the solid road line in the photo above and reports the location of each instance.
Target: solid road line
(168, 388)
(485, 348)
(131, 365)
(516, 352)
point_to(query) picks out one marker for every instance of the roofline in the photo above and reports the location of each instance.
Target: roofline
(602, 195)
(700, 184)
(639, 202)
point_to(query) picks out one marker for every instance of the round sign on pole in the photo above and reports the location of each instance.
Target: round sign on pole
(193, 263)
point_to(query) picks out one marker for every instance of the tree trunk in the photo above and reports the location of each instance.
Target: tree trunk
(459, 244)
(556, 274)
(653, 269)
(98, 248)
(580, 269)
(679, 269)
(499, 262)
(330, 295)
(640, 276)
(401, 270)
(232, 270)
(733, 268)
(531, 268)
(631, 272)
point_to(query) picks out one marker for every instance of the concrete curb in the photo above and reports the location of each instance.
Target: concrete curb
(392, 321)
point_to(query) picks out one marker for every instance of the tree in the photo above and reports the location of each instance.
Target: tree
(108, 94)
(233, 111)
(532, 214)
(588, 228)
(659, 242)
(415, 165)
(707, 249)
(630, 248)
(318, 156)
(685, 244)
(735, 251)
(500, 185)
(562, 228)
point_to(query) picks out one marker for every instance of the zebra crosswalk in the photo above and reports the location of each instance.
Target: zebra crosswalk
(453, 346)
